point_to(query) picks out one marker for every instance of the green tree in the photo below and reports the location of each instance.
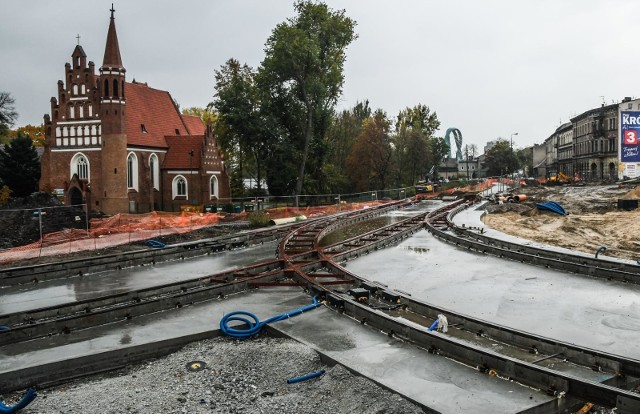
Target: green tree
(525, 160)
(20, 166)
(501, 159)
(302, 74)
(413, 150)
(241, 128)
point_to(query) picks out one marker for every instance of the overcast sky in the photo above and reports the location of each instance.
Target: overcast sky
(490, 68)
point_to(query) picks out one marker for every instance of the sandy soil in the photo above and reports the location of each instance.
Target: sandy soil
(593, 219)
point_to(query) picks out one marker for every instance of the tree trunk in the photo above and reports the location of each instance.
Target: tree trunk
(307, 140)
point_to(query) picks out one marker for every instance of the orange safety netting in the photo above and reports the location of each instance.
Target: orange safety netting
(126, 228)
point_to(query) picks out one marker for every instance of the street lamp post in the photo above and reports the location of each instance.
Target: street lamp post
(515, 133)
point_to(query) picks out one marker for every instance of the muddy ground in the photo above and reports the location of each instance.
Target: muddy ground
(593, 220)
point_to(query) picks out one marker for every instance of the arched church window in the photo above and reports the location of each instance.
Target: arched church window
(179, 187)
(115, 88)
(132, 171)
(106, 88)
(213, 187)
(80, 166)
(154, 171)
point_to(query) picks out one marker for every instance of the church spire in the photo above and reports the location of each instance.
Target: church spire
(112, 57)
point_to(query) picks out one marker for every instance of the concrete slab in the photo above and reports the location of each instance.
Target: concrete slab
(55, 292)
(596, 313)
(432, 380)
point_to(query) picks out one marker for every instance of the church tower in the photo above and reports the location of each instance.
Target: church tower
(111, 84)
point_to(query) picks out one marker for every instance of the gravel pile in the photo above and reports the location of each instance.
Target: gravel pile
(239, 377)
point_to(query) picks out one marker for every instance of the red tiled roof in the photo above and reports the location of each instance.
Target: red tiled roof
(194, 124)
(155, 110)
(179, 148)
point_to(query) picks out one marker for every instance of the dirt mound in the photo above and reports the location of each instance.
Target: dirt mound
(593, 221)
(20, 219)
(633, 194)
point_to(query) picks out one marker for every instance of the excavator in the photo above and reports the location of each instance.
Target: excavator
(560, 178)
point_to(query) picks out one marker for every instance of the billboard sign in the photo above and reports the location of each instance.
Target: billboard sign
(630, 136)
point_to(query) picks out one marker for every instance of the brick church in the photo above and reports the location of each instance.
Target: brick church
(123, 146)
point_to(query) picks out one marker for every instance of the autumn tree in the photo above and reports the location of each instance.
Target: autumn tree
(302, 77)
(370, 161)
(207, 115)
(20, 166)
(342, 133)
(36, 133)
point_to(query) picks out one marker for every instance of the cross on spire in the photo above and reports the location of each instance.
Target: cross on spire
(112, 10)
(78, 37)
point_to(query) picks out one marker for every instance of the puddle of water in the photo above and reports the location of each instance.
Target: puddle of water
(357, 229)
(420, 250)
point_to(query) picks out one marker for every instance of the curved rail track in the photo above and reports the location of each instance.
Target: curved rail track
(558, 368)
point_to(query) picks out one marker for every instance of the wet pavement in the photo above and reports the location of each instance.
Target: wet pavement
(432, 380)
(595, 313)
(59, 291)
(590, 312)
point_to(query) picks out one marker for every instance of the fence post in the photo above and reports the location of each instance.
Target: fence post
(40, 224)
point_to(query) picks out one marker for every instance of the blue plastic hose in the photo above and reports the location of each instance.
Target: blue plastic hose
(305, 377)
(254, 324)
(29, 396)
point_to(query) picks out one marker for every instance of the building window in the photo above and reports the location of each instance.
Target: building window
(75, 90)
(115, 88)
(132, 171)
(80, 165)
(106, 88)
(72, 111)
(179, 187)
(122, 89)
(154, 171)
(213, 187)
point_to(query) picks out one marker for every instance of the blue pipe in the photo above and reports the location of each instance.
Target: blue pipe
(434, 325)
(29, 396)
(305, 377)
(254, 324)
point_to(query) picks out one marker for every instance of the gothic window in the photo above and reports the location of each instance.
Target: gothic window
(154, 171)
(179, 187)
(83, 89)
(72, 111)
(81, 111)
(115, 88)
(75, 90)
(132, 171)
(213, 187)
(90, 110)
(106, 88)
(80, 166)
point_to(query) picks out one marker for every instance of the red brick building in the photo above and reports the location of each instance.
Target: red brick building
(122, 146)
